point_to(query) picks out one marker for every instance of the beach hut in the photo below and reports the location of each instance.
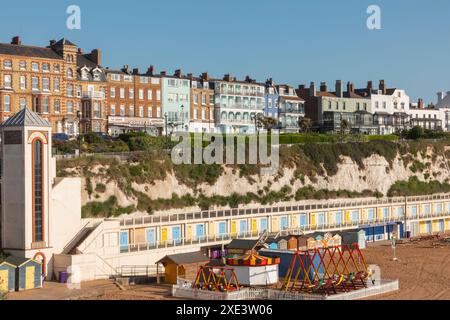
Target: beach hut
(242, 246)
(183, 265)
(255, 270)
(28, 273)
(354, 236)
(7, 277)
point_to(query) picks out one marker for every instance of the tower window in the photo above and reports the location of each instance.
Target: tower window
(38, 191)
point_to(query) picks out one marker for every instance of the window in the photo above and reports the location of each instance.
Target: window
(158, 112)
(7, 103)
(203, 99)
(131, 111)
(149, 112)
(56, 68)
(45, 103)
(113, 92)
(195, 98)
(122, 93)
(172, 97)
(141, 94)
(203, 114)
(149, 95)
(128, 78)
(211, 99)
(131, 93)
(395, 105)
(7, 64)
(143, 80)
(113, 110)
(45, 67)
(38, 191)
(97, 113)
(56, 84)
(69, 107)
(69, 90)
(115, 77)
(8, 81)
(46, 84)
(57, 106)
(22, 65)
(384, 105)
(122, 111)
(403, 105)
(158, 95)
(23, 103)
(69, 73)
(35, 83)
(141, 112)
(195, 114)
(377, 104)
(79, 91)
(35, 66)
(155, 81)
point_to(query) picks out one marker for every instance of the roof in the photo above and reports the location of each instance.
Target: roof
(185, 258)
(2, 262)
(242, 244)
(26, 117)
(66, 42)
(18, 261)
(29, 51)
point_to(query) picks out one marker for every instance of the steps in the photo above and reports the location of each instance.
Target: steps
(84, 234)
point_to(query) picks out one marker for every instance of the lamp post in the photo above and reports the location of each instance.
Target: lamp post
(79, 115)
(182, 117)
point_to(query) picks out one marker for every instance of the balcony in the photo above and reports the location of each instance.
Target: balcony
(93, 95)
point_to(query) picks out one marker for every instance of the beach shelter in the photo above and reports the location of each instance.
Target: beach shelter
(7, 277)
(28, 273)
(183, 265)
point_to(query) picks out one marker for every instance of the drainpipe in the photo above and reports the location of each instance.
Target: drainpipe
(406, 216)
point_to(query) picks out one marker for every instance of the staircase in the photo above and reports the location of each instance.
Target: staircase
(84, 233)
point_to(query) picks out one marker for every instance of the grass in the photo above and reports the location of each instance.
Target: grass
(415, 187)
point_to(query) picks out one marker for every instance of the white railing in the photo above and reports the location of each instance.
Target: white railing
(93, 95)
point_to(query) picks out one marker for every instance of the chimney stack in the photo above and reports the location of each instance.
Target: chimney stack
(420, 103)
(16, 40)
(312, 89)
(80, 51)
(323, 87)
(301, 87)
(205, 76)
(151, 70)
(248, 79)
(96, 56)
(52, 42)
(177, 73)
(382, 87)
(227, 77)
(190, 75)
(135, 71)
(370, 86)
(350, 87)
(339, 91)
(163, 73)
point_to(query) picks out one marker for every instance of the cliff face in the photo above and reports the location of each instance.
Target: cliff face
(171, 193)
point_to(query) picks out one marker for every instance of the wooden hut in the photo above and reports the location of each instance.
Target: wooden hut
(184, 265)
(7, 277)
(28, 273)
(242, 247)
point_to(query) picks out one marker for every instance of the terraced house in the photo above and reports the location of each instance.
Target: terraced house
(202, 104)
(328, 110)
(176, 100)
(52, 81)
(134, 101)
(291, 108)
(238, 103)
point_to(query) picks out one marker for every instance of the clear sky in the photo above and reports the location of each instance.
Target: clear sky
(292, 41)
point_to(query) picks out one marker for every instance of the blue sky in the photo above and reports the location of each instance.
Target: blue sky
(293, 41)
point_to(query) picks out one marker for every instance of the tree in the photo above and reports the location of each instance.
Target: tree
(267, 123)
(345, 127)
(305, 124)
(416, 133)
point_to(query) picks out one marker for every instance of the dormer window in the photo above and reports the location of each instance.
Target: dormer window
(69, 73)
(96, 76)
(84, 74)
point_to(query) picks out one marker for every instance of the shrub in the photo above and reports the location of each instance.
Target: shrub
(100, 188)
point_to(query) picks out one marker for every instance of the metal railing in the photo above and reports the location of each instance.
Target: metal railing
(335, 205)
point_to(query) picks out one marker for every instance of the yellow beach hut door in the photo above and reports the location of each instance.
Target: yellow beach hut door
(3, 280)
(29, 277)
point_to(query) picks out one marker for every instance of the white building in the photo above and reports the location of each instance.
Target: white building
(390, 107)
(237, 104)
(40, 214)
(431, 117)
(443, 103)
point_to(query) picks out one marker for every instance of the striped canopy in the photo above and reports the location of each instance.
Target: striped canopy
(252, 260)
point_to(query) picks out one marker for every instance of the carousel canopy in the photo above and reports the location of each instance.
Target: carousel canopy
(252, 260)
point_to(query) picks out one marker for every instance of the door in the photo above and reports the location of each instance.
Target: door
(233, 228)
(283, 223)
(124, 240)
(303, 220)
(200, 231)
(4, 281)
(176, 235)
(254, 226)
(242, 227)
(263, 224)
(441, 225)
(164, 234)
(414, 212)
(428, 227)
(151, 237)
(321, 220)
(338, 218)
(222, 228)
(29, 277)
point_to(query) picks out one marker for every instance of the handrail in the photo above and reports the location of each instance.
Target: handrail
(338, 204)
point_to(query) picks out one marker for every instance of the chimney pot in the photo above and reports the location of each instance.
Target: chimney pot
(323, 87)
(339, 91)
(312, 89)
(177, 73)
(382, 86)
(163, 73)
(151, 70)
(135, 71)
